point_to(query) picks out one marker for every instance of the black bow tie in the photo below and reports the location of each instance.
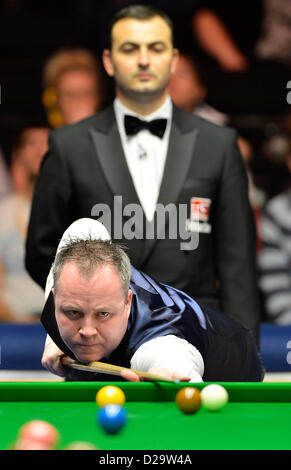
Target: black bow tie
(133, 125)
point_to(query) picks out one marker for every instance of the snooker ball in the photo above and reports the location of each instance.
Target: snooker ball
(214, 397)
(112, 418)
(188, 400)
(38, 432)
(110, 395)
(81, 445)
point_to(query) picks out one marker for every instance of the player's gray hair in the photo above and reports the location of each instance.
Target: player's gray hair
(90, 254)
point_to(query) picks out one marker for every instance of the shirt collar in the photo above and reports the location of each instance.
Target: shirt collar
(165, 111)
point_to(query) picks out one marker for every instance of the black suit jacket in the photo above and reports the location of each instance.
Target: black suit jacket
(85, 166)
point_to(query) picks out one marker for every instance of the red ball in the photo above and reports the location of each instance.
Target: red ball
(39, 431)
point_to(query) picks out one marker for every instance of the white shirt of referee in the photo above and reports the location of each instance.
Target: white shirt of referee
(145, 154)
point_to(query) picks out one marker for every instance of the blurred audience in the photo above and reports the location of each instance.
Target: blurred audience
(5, 183)
(272, 168)
(73, 86)
(189, 92)
(21, 299)
(274, 259)
(240, 75)
(257, 195)
(218, 40)
(275, 40)
(215, 39)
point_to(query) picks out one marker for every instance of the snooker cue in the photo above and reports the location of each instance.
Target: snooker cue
(104, 368)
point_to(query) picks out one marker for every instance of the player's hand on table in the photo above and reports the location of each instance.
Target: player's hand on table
(131, 376)
(51, 359)
(169, 374)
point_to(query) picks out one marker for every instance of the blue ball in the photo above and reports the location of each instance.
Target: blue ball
(112, 418)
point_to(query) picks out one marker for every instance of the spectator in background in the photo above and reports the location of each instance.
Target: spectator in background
(241, 72)
(274, 259)
(21, 299)
(189, 92)
(275, 40)
(73, 86)
(215, 39)
(5, 183)
(221, 40)
(256, 195)
(273, 171)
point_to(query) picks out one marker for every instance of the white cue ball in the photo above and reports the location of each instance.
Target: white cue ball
(213, 397)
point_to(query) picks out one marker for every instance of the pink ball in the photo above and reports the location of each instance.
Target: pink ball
(39, 431)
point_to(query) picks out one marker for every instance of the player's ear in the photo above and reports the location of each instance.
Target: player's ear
(129, 300)
(107, 62)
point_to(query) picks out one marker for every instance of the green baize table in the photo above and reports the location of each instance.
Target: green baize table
(257, 416)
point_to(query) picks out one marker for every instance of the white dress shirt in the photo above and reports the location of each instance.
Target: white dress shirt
(169, 352)
(145, 154)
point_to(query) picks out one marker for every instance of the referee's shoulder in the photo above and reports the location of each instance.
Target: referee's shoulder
(102, 120)
(188, 121)
(68, 130)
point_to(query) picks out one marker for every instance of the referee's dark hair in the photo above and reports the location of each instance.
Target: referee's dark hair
(139, 12)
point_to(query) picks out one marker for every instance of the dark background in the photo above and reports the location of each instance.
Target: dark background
(31, 30)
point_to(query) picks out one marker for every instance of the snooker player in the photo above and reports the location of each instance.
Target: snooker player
(100, 308)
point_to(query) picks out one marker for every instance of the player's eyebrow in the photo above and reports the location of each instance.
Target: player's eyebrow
(71, 307)
(68, 308)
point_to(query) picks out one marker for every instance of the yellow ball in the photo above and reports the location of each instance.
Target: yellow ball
(110, 395)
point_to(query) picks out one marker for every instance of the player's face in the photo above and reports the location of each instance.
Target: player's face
(91, 313)
(142, 57)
